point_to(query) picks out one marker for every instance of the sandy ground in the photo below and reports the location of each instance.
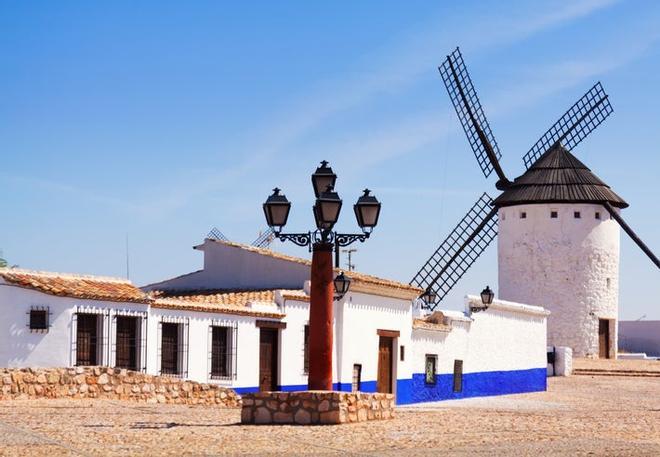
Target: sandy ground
(580, 415)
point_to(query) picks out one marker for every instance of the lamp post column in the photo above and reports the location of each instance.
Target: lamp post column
(320, 318)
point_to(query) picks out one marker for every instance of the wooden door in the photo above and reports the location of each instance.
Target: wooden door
(604, 338)
(87, 339)
(384, 381)
(126, 343)
(268, 359)
(169, 359)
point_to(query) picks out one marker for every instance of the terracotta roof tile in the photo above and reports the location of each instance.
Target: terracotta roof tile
(228, 302)
(76, 286)
(427, 325)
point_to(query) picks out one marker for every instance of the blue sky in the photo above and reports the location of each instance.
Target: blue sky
(163, 119)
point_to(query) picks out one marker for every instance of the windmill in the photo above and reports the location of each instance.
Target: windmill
(554, 177)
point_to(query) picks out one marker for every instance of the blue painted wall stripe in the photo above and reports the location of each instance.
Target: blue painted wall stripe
(416, 390)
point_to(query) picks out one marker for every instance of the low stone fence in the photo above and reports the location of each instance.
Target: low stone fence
(315, 407)
(110, 383)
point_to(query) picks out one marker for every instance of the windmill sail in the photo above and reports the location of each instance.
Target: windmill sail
(216, 234)
(264, 239)
(579, 121)
(471, 114)
(460, 249)
(617, 217)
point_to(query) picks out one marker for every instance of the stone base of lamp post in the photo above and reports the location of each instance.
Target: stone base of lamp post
(320, 318)
(315, 407)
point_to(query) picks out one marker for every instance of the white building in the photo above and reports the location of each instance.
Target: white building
(242, 320)
(558, 247)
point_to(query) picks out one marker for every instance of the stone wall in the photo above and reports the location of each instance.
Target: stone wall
(315, 407)
(110, 383)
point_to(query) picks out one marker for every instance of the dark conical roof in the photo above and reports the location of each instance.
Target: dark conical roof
(558, 177)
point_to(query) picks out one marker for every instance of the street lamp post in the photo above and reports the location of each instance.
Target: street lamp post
(322, 242)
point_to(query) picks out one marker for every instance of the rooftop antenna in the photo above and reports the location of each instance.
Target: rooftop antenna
(128, 271)
(350, 264)
(640, 318)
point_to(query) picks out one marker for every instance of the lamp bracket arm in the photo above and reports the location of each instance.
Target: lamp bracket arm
(346, 239)
(301, 239)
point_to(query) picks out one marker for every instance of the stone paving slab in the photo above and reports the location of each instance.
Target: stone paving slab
(577, 416)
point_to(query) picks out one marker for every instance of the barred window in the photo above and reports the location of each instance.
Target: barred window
(306, 350)
(458, 375)
(223, 350)
(173, 346)
(38, 319)
(357, 378)
(431, 363)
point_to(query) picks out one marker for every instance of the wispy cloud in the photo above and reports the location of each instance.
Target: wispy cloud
(390, 69)
(396, 66)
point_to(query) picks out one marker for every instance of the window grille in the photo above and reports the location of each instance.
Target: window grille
(597, 215)
(90, 327)
(128, 340)
(173, 338)
(356, 384)
(39, 319)
(431, 363)
(223, 350)
(306, 349)
(523, 215)
(553, 214)
(458, 375)
(88, 340)
(576, 214)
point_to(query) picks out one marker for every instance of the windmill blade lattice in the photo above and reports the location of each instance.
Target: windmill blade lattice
(468, 108)
(264, 239)
(574, 126)
(460, 249)
(216, 234)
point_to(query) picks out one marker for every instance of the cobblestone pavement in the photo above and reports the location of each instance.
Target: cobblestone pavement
(579, 415)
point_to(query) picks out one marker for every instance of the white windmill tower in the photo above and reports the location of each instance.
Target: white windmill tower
(558, 224)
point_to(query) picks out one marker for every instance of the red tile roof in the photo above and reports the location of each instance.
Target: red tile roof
(76, 286)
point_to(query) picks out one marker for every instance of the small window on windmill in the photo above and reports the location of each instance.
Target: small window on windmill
(553, 215)
(576, 214)
(609, 282)
(523, 215)
(503, 215)
(597, 215)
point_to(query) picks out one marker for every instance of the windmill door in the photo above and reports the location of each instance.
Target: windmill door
(268, 359)
(384, 381)
(604, 338)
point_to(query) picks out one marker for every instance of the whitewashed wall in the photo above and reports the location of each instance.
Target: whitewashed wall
(503, 350)
(234, 267)
(361, 316)
(19, 347)
(568, 265)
